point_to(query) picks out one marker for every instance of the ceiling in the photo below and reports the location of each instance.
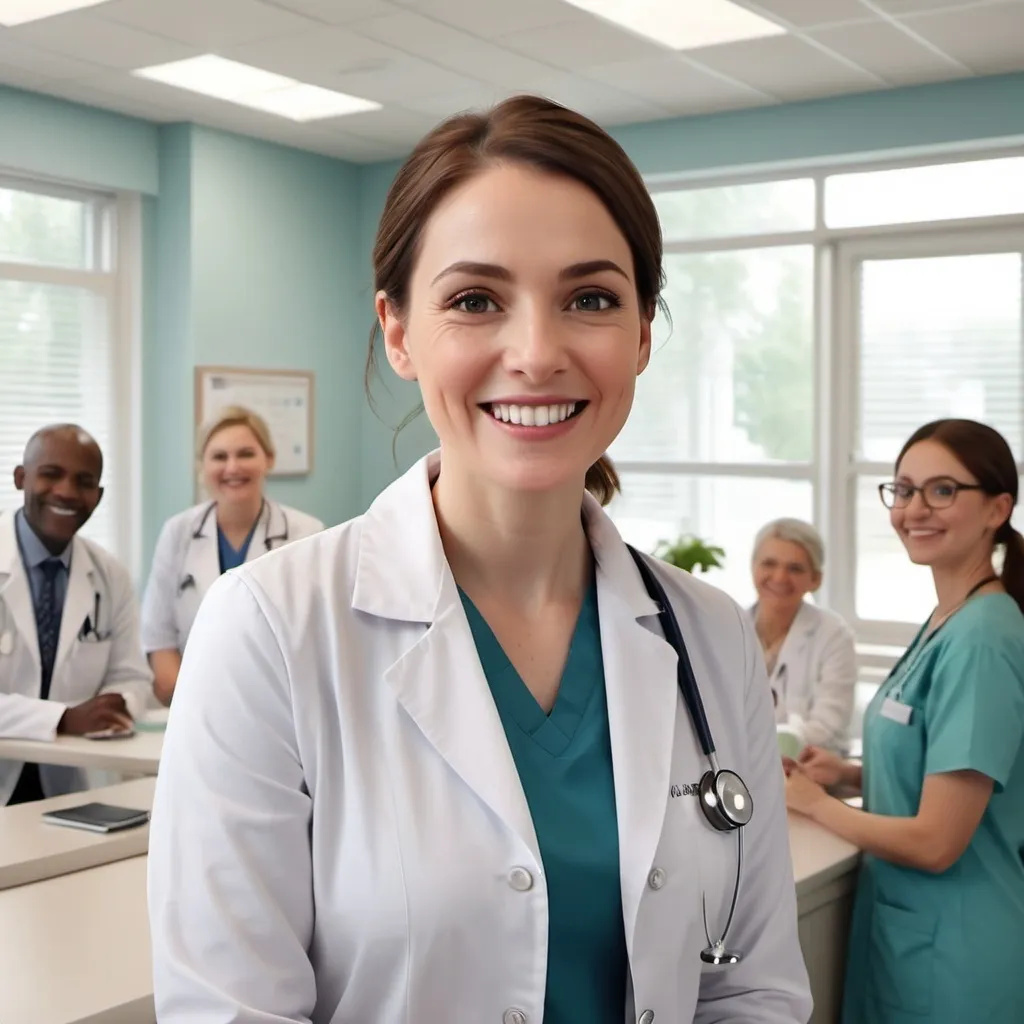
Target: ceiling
(424, 59)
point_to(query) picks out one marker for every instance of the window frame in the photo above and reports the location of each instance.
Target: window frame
(114, 238)
(833, 469)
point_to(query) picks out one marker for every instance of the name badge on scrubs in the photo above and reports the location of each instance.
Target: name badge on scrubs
(896, 711)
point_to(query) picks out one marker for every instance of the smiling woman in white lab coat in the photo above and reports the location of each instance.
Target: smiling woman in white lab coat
(238, 523)
(443, 770)
(810, 652)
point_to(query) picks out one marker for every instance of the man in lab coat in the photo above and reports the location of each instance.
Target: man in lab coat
(70, 658)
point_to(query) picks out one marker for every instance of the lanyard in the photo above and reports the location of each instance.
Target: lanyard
(915, 650)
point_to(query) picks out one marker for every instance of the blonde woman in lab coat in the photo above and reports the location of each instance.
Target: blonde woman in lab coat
(443, 771)
(235, 525)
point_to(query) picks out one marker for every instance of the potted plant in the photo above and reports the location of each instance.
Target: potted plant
(689, 553)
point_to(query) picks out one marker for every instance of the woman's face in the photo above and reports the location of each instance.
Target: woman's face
(956, 534)
(783, 575)
(523, 329)
(235, 465)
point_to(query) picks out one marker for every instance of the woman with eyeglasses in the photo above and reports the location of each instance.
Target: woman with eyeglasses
(938, 925)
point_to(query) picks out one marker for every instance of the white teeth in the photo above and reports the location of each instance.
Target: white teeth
(62, 511)
(532, 415)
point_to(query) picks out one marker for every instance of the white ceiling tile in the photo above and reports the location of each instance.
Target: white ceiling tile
(316, 57)
(394, 81)
(453, 49)
(887, 51)
(785, 67)
(444, 104)
(384, 125)
(84, 36)
(338, 12)
(987, 39)
(581, 43)
(807, 13)
(18, 55)
(207, 24)
(672, 82)
(118, 100)
(907, 6)
(602, 103)
(22, 78)
(495, 18)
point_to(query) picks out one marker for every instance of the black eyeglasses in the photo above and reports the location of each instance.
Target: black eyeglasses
(938, 492)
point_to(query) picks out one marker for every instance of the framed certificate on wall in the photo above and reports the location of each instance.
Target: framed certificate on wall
(284, 398)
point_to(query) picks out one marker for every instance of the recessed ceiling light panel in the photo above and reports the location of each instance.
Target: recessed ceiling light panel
(683, 24)
(20, 12)
(210, 75)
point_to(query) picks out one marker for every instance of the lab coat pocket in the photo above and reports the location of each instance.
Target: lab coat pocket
(87, 667)
(902, 958)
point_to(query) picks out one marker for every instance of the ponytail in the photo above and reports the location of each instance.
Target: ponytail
(603, 483)
(1013, 562)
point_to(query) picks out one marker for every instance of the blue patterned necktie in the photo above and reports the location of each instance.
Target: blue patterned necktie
(48, 616)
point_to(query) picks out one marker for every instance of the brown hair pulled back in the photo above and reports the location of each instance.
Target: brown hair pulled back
(988, 458)
(534, 132)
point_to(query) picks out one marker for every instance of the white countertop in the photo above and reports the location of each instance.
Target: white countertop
(75, 949)
(819, 856)
(55, 969)
(136, 755)
(32, 850)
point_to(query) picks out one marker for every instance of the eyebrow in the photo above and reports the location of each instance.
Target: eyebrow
(499, 273)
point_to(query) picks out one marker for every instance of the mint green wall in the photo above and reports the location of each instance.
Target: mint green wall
(257, 267)
(167, 350)
(49, 137)
(260, 255)
(952, 116)
(393, 397)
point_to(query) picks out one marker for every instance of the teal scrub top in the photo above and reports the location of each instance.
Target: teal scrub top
(947, 948)
(231, 557)
(564, 760)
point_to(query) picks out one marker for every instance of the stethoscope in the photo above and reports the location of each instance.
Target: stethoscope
(724, 797)
(268, 542)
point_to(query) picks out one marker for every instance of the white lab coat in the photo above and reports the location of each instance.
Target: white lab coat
(83, 667)
(340, 835)
(815, 676)
(186, 562)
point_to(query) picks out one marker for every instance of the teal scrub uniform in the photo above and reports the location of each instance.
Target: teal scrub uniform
(948, 948)
(564, 760)
(231, 557)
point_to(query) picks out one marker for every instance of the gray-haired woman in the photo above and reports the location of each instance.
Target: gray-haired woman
(809, 651)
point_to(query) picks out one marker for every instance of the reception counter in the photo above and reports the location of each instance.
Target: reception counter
(75, 949)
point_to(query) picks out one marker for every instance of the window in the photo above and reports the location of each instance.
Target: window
(817, 321)
(61, 354)
(721, 438)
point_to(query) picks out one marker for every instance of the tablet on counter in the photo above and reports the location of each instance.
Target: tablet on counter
(97, 817)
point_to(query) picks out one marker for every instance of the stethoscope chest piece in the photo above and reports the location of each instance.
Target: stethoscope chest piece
(725, 800)
(718, 954)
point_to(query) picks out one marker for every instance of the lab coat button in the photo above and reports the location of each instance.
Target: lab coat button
(522, 881)
(514, 1017)
(647, 1017)
(656, 879)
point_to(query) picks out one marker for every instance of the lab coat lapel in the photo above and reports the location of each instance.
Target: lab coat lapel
(642, 693)
(79, 602)
(403, 576)
(796, 641)
(202, 562)
(14, 587)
